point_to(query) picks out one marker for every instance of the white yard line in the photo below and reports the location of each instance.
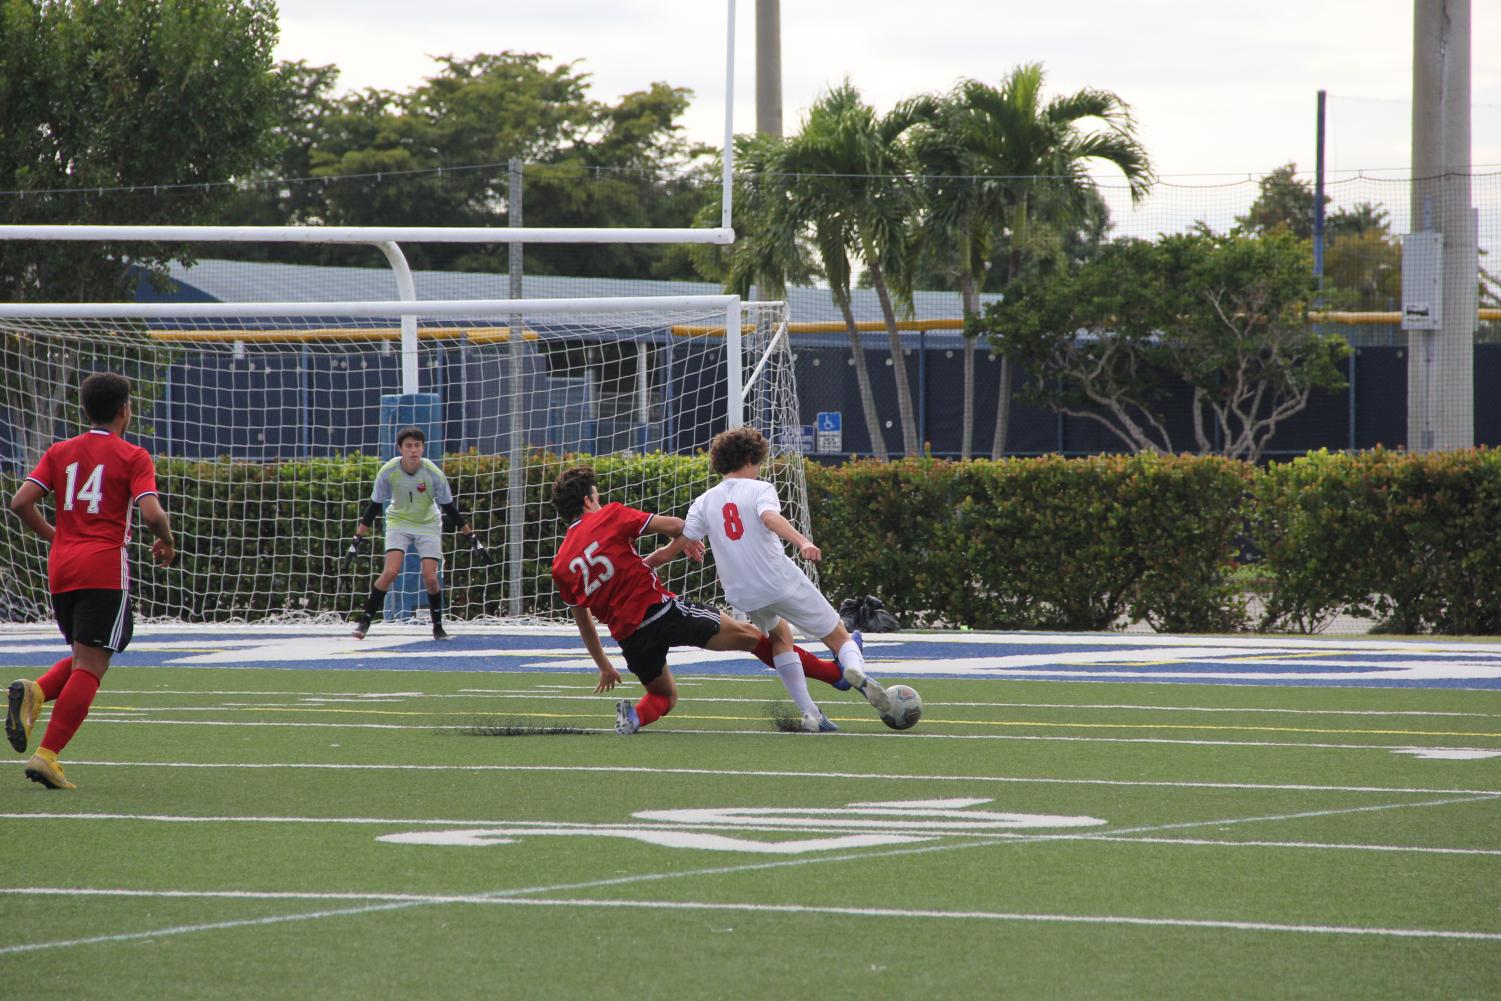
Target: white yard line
(397, 901)
(780, 774)
(551, 694)
(538, 894)
(105, 717)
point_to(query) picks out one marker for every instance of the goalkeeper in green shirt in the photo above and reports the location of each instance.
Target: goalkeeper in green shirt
(416, 500)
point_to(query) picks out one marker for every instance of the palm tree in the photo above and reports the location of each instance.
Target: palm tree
(959, 230)
(848, 180)
(1008, 136)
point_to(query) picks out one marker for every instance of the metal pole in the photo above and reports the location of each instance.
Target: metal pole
(728, 180)
(733, 368)
(1318, 200)
(516, 464)
(769, 67)
(406, 288)
(1440, 390)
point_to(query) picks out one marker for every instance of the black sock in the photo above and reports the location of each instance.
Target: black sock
(435, 602)
(374, 602)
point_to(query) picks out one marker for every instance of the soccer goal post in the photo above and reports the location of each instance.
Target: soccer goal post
(268, 422)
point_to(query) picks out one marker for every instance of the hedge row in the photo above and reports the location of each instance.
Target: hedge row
(1045, 543)
(1185, 543)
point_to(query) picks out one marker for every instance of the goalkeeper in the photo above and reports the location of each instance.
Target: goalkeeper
(413, 490)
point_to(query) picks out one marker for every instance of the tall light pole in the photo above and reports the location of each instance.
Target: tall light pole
(1441, 347)
(769, 67)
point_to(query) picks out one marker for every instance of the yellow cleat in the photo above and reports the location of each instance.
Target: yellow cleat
(44, 769)
(23, 705)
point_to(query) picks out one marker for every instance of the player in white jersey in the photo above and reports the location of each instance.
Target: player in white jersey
(741, 519)
(415, 497)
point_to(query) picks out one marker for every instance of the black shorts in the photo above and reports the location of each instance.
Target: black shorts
(95, 617)
(675, 622)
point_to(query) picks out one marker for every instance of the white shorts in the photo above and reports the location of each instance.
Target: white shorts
(429, 545)
(805, 608)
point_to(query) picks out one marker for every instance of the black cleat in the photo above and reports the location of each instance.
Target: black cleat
(439, 633)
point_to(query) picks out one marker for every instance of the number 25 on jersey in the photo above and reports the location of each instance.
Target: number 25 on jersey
(596, 561)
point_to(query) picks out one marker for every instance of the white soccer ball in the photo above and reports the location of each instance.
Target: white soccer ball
(906, 708)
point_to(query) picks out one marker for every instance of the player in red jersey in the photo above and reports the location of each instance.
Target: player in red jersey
(599, 574)
(98, 477)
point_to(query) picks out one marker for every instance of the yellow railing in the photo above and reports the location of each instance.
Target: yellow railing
(500, 335)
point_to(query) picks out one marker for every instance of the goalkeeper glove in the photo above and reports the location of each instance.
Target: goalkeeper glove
(359, 543)
(481, 554)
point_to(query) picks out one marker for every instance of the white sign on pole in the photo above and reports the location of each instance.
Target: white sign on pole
(1422, 281)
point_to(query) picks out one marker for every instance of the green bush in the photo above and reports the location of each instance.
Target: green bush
(1406, 540)
(1047, 543)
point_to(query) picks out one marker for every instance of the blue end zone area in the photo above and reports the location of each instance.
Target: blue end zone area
(1248, 660)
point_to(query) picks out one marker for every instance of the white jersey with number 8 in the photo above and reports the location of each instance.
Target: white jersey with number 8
(752, 560)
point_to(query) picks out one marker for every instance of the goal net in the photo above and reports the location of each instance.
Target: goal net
(268, 422)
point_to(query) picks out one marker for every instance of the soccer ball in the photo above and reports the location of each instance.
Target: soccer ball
(906, 708)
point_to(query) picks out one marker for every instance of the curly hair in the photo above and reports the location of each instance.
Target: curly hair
(104, 395)
(737, 448)
(571, 489)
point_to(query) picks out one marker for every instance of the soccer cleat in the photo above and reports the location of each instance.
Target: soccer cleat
(43, 769)
(625, 718)
(841, 685)
(818, 723)
(439, 633)
(23, 706)
(361, 628)
(868, 687)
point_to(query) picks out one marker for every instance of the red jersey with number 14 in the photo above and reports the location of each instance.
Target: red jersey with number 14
(597, 566)
(97, 478)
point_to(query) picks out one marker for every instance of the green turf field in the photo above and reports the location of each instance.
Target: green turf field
(304, 834)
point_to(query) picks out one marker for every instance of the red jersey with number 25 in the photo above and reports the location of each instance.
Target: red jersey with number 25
(597, 566)
(97, 478)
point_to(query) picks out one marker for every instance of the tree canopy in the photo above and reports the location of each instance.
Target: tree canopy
(1223, 316)
(126, 94)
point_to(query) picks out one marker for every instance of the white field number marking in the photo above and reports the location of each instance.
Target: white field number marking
(855, 825)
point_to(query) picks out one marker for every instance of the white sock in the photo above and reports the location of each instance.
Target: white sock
(849, 655)
(790, 669)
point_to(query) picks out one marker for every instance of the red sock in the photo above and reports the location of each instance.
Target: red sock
(69, 710)
(652, 707)
(52, 682)
(826, 671)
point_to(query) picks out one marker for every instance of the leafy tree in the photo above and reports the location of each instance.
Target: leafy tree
(1283, 201)
(437, 155)
(278, 191)
(1225, 314)
(129, 93)
(1362, 261)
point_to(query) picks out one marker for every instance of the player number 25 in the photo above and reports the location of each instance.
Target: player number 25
(91, 491)
(602, 563)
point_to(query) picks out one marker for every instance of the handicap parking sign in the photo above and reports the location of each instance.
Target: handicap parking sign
(830, 431)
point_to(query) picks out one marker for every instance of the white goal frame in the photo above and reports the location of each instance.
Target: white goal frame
(719, 316)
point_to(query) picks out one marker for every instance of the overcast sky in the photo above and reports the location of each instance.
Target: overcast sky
(1218, 87)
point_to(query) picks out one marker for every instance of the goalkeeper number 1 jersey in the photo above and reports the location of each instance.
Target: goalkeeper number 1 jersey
(412, 500)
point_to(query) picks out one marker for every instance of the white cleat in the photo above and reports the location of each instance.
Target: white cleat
(818, 723)
(868, 687)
